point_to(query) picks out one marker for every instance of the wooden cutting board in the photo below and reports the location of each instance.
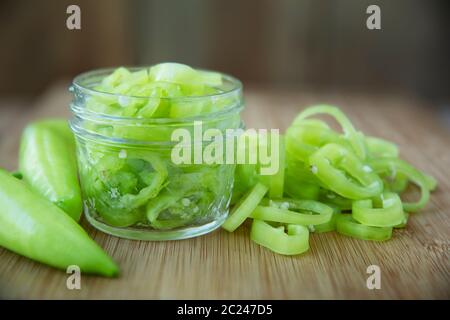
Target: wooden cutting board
(414, 264)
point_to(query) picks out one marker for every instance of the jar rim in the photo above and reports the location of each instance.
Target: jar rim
(79, 83)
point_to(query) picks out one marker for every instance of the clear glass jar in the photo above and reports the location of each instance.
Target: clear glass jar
(131, 187)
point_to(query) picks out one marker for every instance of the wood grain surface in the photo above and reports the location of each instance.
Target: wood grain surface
(414, 264)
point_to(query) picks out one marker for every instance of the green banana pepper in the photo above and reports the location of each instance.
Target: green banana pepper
(48, 164)
(35, 228)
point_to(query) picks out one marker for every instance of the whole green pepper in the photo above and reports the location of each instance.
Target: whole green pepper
(34, 227)
(48, 164)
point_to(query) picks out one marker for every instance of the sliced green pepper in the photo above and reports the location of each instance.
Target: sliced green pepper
(302, 141)
(397, 183)
(181, 202)
(389, 214)
(156, 205)
(302, 190)
(245, 178)
(330, 225)
(346, 225)
(331, 163)
(379, 148)
(296, 240)
(113, 187)
(430, 181)
(288, 216)
(404, 222)
(276, 184)
(307, 212)
(35, 228)
(395, 165)
(330, 197)
(351, 172)
(355, 138)
(48, 164)
(245, 207)
(299, 182)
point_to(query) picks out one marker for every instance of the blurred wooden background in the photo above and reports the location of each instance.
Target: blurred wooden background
(317, 44)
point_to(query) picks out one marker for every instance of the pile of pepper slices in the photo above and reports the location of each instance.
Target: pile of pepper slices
(327, 181)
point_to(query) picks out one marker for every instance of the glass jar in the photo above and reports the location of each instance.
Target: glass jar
(131, 186)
